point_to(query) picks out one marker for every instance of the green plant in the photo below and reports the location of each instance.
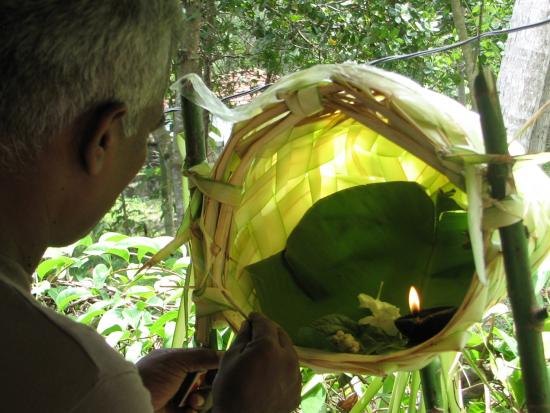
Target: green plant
(96, 283)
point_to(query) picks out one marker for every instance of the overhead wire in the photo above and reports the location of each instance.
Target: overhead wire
(421, 53)
(457, 44)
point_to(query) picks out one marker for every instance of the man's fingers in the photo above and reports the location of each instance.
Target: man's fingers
(196, 400)
(263, 327)
(195, 359)
(284, 339)
(244, 336)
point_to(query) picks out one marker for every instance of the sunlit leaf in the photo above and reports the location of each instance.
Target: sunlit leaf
(108, 247)
(144, 291)
(40, 288)
(133, 316)
(112, 318)
(69, 295)
(95, 310)
(51, 264)
(314, 400)
(100, 274)
(133, 353)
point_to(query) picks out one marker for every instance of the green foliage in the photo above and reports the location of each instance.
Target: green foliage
(278, 37)
(338, 333)
(96, 283)
(133, 214)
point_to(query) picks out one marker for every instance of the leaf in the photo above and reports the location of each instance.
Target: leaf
(99, 275)
(158, 326)
(144, 291)
(510, 341)
(314, 400)
(133, 353)
(376, 341)
(143, 245)
(40, 288)
(111, 236)
(70, 294)
(111, 319)
(155, 302)
(320, 332)
(95, 310)
(53, 264)
(517, 387)
(108, 247)
(113, 338)
(133, 316)
(350, 242)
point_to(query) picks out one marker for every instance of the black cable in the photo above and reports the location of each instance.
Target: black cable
(247, 92)
(457, 44)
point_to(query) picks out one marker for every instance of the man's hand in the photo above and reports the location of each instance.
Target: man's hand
(163, 372)
(259, 373)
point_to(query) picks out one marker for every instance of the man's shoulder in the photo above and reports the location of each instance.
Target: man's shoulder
(49, 359)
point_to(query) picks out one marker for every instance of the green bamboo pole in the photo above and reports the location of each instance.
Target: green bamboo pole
(528, 317)
(195, 154)
(193, 123)
(431, 387)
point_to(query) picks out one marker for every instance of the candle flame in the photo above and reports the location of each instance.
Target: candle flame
(414, 300)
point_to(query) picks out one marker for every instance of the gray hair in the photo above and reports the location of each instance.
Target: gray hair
(59, 58)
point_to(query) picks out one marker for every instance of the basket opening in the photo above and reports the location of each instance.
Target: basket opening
(316, 159)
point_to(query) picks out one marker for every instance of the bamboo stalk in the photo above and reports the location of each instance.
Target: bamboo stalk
(195, 153)
(528, 318)
(193, 122)
(431, 386)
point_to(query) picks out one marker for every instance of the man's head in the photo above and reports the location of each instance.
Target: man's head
(81, 87)
(59, 59)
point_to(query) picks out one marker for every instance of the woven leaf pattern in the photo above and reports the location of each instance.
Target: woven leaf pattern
(372, 126)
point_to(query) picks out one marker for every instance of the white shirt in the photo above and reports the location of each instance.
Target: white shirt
(51, 364)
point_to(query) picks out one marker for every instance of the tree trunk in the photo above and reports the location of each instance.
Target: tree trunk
(523, 83)
(177, 167)
(468, 51)
(177, 178)
(461, 87)
(166, 183)
(541, 130)
(189, 57)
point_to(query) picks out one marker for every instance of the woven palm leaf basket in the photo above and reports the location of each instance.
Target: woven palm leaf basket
(327, 129)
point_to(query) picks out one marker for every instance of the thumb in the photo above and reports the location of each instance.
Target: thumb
(243, 336)
(192, 359)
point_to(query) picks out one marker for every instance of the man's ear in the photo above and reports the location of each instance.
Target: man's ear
(102, 130)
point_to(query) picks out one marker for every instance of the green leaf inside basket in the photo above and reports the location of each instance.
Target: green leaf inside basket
(374, 239)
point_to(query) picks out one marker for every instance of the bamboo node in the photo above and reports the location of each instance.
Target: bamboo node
(541, 314)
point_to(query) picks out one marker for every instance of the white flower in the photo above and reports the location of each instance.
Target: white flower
(383, 314)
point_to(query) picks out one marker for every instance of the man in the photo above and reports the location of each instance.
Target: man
(81, 87)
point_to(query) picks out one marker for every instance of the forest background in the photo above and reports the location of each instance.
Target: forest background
(241, 45)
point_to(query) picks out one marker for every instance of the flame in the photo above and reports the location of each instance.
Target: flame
(414, 300)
